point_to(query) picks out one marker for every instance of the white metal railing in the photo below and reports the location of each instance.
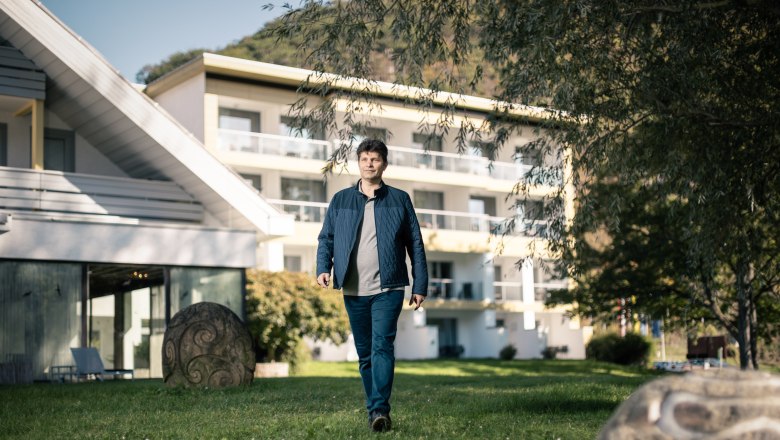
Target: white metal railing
(112, 199)
(271, 144)
(428, 218)
(276, 145)
(508, 291)
(447, 289)
(451, 220)
(476, 165)
(520, 226)
(312, 212)
(513, 290)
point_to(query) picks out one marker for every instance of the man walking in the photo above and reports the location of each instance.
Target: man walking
(367, 233)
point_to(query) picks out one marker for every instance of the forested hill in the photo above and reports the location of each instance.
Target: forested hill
(268, 49)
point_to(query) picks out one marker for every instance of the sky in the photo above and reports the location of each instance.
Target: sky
(133, 33)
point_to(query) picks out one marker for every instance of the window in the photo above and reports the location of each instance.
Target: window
(362, 132)
(3, 145)
(433, 143)
(255, 180)
(483, 149)
(59, 151)
(300, 147)
(292, 263)
(303, 190)
(528, 156)
(531, 210)
(481, 205)
(498, 291)
(240, 120)
(440, 284)
(315, 130)
(429, 200)
(533, 217)
(432, 200)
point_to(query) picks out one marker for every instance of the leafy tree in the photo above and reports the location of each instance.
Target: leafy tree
(638, 261)
(680, 99)
(283, 307)
(151, 72)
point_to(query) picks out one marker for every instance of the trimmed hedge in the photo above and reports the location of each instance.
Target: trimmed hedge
(632, 349)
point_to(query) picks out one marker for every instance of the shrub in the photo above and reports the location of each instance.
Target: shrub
(632, 349)
(551, 352)
(508, 352)
(283, 307)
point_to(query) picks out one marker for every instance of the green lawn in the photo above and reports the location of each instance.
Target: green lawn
(472, 399)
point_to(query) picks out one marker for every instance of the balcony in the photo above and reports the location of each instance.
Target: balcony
(456, 163)
(275, 145)
(513, 290)
(307, 212)
(314, 212)
(54, 194)
(272, 145)
(448, 289)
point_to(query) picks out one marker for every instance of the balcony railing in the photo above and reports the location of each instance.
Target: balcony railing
(448, 289)
(428, 218)
(520, 226)
(310, 212)
(271, 144)
(97, 198)
(513, 290)
(455, 221)
(476, 165)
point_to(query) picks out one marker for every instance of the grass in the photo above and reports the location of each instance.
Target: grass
(485, 399)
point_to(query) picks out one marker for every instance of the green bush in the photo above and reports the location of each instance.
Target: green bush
(508, 352)
(551, 352)
(283, 307)
(632, 349)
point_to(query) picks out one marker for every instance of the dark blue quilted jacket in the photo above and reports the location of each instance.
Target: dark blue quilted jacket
(397, 233)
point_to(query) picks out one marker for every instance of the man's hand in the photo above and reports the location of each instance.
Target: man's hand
(323, 280)
(417, 300)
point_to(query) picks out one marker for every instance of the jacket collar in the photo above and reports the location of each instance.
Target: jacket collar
(378, 193)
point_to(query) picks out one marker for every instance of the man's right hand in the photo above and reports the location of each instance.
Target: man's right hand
(323, 280)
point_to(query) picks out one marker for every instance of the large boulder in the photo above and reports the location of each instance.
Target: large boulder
(207, 345)
(711, 404)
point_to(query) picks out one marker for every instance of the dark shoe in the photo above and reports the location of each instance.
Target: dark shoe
(380, 422)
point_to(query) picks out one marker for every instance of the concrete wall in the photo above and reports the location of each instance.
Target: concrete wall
(130, 244)
(415, 340)
(88, 159)
(185, 103)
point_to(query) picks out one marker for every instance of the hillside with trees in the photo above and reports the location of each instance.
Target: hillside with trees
(269, 47)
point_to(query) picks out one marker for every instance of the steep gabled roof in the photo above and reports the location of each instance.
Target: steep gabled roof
(125, 125)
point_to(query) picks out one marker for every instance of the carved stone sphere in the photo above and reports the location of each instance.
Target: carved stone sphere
(207, 345)
(713, 404)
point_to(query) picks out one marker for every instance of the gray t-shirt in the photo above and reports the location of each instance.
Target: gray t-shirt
(363, 272)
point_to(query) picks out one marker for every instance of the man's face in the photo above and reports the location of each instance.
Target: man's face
(371, 165)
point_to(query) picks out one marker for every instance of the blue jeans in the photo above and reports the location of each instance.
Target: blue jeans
(374, 321)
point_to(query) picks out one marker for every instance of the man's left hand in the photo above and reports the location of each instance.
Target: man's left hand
(417, 300)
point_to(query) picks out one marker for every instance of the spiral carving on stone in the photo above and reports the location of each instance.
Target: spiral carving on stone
(714, 404)
(207, 345)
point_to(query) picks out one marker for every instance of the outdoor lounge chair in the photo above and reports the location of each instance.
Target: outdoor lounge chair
(88, 362)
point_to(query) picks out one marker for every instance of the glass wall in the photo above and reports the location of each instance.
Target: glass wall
(194, 285)
(39, 315)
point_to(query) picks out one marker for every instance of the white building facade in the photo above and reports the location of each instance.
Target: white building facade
(112, 216)
(480, 298)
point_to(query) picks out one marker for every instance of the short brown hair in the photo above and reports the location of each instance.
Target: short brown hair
(373, 146)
